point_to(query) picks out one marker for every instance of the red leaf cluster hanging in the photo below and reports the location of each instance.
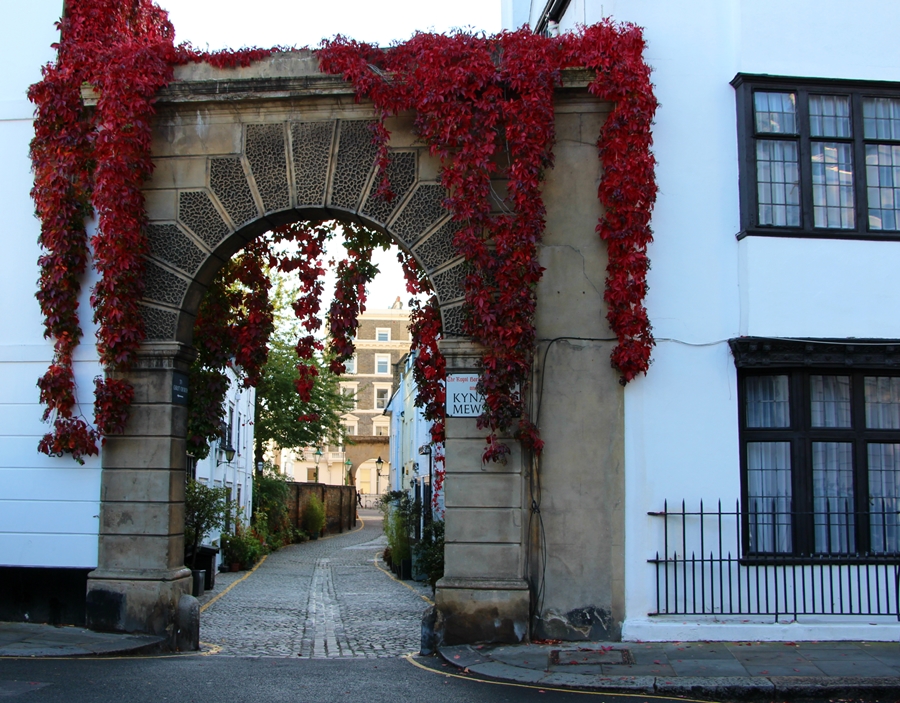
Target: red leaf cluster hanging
(96, 161)
(484, 105)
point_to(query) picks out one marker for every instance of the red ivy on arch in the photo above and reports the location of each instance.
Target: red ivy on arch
(484, 105)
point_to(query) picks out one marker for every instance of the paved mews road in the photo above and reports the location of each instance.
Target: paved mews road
(321, 599)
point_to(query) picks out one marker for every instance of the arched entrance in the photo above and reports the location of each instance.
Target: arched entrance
(236, 156)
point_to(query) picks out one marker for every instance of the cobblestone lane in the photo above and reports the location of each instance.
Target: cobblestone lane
(322, 599)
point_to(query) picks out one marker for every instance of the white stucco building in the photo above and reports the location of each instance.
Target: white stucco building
(412, 454)
(776, 142)
(222, 469)
(51, 506)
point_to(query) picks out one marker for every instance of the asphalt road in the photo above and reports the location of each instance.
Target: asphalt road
(219, 679)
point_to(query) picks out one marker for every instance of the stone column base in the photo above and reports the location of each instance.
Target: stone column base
(125, 601)
(474, 611)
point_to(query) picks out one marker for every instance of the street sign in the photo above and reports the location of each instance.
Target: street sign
(463, 400)
(179, 388)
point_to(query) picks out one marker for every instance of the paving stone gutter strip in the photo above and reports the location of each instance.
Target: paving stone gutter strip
(540, 665)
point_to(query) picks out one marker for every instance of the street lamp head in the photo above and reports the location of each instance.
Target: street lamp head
(425, 450)
(229, 454)
(379, 465)
(318, 455)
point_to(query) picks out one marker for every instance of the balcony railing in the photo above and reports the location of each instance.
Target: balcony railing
(701, 571)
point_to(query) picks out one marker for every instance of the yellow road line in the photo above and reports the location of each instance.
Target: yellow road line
(233, 584)
(409, 658)
(391, 576)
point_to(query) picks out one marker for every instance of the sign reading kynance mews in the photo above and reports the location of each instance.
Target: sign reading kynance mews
(462, 398)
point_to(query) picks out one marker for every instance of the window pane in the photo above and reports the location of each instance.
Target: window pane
(830, 401)
(832, 177)
(769, 496)
(883, 186)
(350, 365)
(768, 403)
(829, 116)
(833, 497)
(884, 497)
(882, 402)
(881, 118)
(775, 112)
(778, 182)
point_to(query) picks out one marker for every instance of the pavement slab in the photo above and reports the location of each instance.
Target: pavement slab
(718, 670)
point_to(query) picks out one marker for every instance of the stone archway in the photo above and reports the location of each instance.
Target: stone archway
(236, 156)
(240, 151)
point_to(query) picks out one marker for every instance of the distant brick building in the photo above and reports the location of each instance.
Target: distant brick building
(381, 341)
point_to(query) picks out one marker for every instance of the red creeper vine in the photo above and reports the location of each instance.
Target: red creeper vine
(483, 105)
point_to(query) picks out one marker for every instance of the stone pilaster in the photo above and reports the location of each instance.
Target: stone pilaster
(140, 574)
(483, 596)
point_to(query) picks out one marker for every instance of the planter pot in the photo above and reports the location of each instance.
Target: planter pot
(314, 536)
(406, 569)
(235, 566)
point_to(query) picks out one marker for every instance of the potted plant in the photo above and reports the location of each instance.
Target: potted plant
(313, 517)
(205, 508)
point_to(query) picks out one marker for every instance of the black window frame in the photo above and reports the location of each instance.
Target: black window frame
(745, 85)
(800, 359)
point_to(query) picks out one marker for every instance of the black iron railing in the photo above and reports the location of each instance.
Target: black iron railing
(701, 571)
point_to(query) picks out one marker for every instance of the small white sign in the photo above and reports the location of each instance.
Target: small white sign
(462, 398)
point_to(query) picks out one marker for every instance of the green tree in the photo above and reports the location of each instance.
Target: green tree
(280, 414)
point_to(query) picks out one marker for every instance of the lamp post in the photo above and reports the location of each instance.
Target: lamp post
(425, 450)
(317, 455)
(379, 465)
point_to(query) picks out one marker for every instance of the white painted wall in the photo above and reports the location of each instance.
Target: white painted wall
(215, 471)
(705, 286)
(48, 507)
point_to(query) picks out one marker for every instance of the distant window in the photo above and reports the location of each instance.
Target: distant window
(350, 365)
(349, 391)
(382, 364)
(381, 431)
(381, 398)
(383, 334)
(350, 428)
